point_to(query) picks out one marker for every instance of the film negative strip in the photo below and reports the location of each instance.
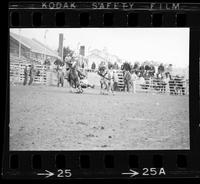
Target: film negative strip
(102, 90)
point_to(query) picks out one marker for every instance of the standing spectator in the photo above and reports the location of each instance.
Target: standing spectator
(169, 70)
(115, 81)
(47, 62)
(147, 69)
(25, 75)
(142, 70)
(93, 67)
(111, 81)
(166, 80)
(161, 69)
(152, 70)
(127, 80)
(156, 71)
(31, 74)
(141, 82)
(136, 67)
(60, 75)
(116, 66)
(134, 78)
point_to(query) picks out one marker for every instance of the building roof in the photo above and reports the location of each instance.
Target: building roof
(43, 45)
(22, 40)
(34, 45)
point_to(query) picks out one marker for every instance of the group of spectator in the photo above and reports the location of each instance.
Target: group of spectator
(149, 76)
(147, 69)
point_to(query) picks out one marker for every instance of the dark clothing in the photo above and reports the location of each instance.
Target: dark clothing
(60, 77)
(161, 69)
(31, 80)
(32, 75)
(147, 67)
(115, 86)
(25, 76)
(127, 80)
(126, 85)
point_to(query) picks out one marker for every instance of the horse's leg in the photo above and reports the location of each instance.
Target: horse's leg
(71, 84)
(131, 86)
(106, 88)
(125, 85)
(62, 79)
(128, 86)
(101, 90)
(109, 87)
(58, 78)
(101, 87)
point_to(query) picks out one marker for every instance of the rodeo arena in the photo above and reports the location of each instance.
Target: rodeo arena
(76, 101)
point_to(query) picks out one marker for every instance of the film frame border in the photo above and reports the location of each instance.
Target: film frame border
(176, 163)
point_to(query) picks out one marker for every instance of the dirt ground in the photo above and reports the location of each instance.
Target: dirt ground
(52, 118)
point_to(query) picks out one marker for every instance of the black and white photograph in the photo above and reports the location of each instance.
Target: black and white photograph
(99, 89)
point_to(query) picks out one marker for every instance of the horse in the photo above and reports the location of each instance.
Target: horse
(74, 80)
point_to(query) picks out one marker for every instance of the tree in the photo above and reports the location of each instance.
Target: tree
(67, 52)
(93, 66)
(126, 66)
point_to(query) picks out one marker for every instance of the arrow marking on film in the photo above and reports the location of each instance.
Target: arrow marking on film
(47, 174)
(131, 173)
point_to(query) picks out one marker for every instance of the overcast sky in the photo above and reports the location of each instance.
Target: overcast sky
(167, 45)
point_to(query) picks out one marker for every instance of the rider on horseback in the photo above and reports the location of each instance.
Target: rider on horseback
(71, 63)
(75, 74)
(102, 71)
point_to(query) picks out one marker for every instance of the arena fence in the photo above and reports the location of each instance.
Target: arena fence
(17, 66)
(49, 77)
(176, 87)
(120, 83)
(158, 86)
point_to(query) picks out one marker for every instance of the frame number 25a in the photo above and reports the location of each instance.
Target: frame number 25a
(153, 171)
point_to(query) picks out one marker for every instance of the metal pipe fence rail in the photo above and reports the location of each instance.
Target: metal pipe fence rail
(172, 87)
